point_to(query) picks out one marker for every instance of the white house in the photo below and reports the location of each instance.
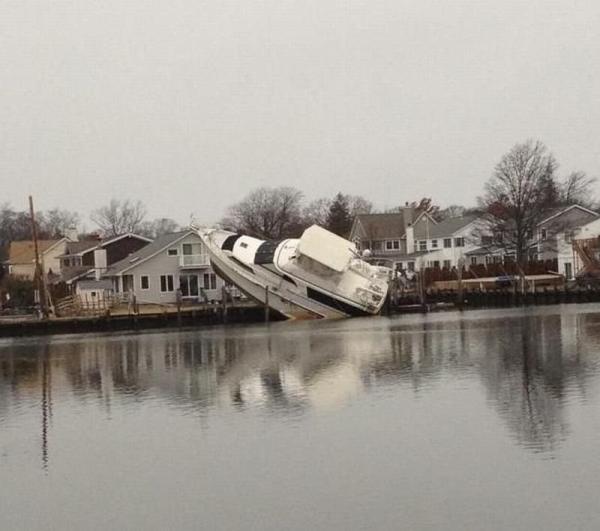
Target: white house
(446, 243)
(172, 263)
(578, 247)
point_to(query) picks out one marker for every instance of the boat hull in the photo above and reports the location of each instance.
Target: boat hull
(291, 297)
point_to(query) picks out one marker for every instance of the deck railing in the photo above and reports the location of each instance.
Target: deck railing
(194, 260)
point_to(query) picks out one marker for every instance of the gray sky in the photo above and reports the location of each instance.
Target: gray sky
(188, 104)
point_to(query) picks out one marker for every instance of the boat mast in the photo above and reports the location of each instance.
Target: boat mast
(39, 272)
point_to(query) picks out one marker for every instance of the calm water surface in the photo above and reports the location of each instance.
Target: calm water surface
(481, 420)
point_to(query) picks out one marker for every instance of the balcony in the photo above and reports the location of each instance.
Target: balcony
(194, 260)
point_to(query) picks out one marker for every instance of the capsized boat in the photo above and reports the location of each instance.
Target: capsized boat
(319, 275)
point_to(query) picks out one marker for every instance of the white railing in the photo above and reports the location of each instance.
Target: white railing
(194, 260)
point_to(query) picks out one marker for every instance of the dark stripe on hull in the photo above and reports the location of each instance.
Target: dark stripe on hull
(266, 251)
(230, 241)
(335, 303)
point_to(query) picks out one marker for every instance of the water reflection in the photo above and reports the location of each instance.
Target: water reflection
(530, 365)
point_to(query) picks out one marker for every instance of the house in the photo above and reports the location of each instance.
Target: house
(384, 236)
(578, 249)
(448, 242)
(412, 240)
(558, 221)
(90, 258)
(544, 241)
(172, 263)
(21, 257)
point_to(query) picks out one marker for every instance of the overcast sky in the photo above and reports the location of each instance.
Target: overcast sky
(188, 104)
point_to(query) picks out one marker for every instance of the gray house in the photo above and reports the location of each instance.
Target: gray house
(171, 263)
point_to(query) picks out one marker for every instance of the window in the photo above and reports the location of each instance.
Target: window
(172, 252)
(497, 259)
(144, 282)
(388, 245)
(411, 266)
(488, 260)
(166, 283)
(210, 281)
(434, 244)
(436, 264)
(188, 284)
(396, 244)
(191, 248)
(459, 242)
(447, 243)
(544, 234)
(422, 245)
(447, 264)
(473, 260)
(568, 270)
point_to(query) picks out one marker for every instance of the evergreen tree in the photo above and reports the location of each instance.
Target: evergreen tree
(339, 218)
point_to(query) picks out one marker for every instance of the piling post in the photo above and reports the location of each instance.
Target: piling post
(266, 304)
(224, 303)
(179, 299)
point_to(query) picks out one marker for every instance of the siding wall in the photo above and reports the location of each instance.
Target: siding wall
(163, 264)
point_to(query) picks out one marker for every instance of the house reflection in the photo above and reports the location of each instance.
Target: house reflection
(529, 366)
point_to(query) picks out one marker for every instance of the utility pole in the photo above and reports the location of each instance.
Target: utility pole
(39, 271)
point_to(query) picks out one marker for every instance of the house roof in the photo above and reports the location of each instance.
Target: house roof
(112, 239)
(146, 252)
(23, 252)
(84, 246)
(556, 212)
(80, 247)
(488, 250)
(74, 273)
(450, 226)
(390, 225)
(95, 284)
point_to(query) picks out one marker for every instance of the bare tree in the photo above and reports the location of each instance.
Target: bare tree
(315, 213)
(359, 205)
(269, 213)
(119, 217)
(451, 211)
(56, 222)
(577, 188)
(158, 227)
(520, 190)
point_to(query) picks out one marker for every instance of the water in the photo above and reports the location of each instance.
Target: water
(485, 420)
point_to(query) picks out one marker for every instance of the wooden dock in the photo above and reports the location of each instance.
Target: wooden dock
(143, 318)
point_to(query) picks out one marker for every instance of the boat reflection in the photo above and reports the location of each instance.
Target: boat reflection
(530, 366)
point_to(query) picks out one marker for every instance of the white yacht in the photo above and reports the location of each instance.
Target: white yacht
(319, 275)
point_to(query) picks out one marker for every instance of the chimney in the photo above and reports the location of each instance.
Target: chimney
(71, 234)
(410, 239)
(100, 265)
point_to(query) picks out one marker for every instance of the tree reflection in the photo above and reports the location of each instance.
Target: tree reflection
(529, 365)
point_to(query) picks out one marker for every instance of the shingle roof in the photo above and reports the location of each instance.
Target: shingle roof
(390, 225)
(81, 246)
(448, 227)
(145, 252)
(23, 252)
(95, 284)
